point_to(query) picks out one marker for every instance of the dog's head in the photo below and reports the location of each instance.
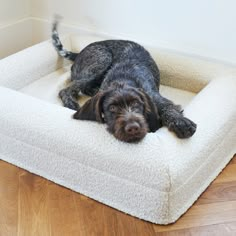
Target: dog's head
(128, 112)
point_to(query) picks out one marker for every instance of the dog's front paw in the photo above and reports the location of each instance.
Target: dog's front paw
(182, 127)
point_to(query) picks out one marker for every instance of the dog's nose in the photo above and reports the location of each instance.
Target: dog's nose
(132, 128)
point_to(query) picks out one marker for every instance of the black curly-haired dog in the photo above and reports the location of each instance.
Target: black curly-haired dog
(123, 81)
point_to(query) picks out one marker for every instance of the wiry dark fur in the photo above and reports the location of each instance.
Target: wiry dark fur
(123, 80)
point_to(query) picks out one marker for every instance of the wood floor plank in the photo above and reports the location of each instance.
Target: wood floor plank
(233, 161)
(33, 213)
(227, 175)
(218, 192)
(63, 216)
(108, 221)
(203, 215)
(128, 225)
(210, 230)
(91, 217)
(9, 186)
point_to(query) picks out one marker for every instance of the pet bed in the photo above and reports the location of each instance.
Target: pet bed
(157, 179)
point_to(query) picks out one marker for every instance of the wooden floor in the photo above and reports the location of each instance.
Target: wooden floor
(31, 206)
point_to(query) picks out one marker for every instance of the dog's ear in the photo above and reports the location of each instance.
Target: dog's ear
(92, 109)
(150, 112)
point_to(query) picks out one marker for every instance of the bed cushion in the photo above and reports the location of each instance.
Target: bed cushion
(156, 180)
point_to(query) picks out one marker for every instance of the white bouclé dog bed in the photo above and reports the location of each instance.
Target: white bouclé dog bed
(156, 180)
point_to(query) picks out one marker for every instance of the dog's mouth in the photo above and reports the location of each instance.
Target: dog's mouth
(121, 135)
(132, 139)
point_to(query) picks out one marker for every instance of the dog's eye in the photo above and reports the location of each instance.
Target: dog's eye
(135, 104)
(112, 108)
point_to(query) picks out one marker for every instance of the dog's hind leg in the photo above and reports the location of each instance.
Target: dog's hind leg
(87, 74)
(91, 66)
(69, 96)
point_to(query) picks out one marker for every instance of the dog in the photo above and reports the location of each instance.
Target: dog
(123, 81)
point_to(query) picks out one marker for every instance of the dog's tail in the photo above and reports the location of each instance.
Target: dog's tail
(58, 45)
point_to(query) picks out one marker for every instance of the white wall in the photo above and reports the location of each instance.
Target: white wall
(13, 10)
(15, 37)
(15, 28)
(204, 27)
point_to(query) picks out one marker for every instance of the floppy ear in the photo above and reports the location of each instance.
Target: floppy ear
(92, 109)
(151, 113)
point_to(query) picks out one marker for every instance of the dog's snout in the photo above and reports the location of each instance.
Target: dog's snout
(132, 128)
